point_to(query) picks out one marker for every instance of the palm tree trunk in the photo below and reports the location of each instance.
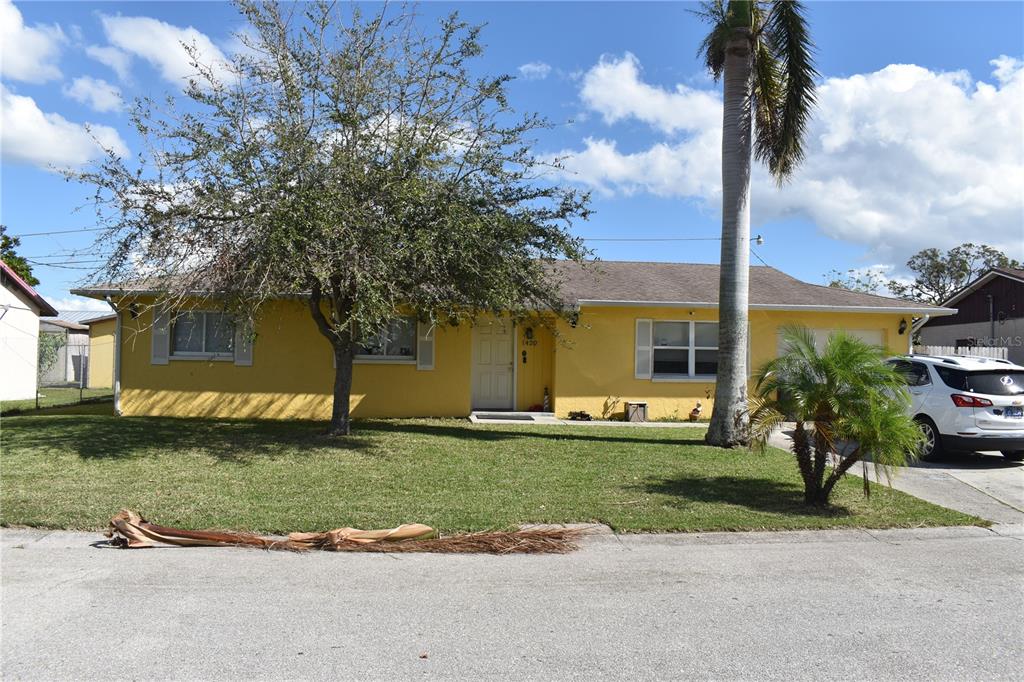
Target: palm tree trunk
(730, 419)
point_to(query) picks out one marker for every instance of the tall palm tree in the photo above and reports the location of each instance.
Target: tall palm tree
(762, 51)
(845, 400)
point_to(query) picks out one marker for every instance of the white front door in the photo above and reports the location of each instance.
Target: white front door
(492, 365)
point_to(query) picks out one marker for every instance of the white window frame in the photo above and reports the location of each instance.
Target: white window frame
(691, 349)
(204, 354)
(394, 359)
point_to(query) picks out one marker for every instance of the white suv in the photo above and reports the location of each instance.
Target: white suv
(965, 403)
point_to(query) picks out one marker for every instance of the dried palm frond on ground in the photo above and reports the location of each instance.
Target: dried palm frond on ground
(129, 530)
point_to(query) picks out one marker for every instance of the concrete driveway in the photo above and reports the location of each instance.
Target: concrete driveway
(930, 604)
(984, 484)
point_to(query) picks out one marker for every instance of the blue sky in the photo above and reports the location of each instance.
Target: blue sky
(918, 140)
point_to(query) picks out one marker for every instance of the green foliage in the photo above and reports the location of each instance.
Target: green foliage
(845, 400)
(783, 88)
(938, 276)
(50, 345)
(867, 281)
(359, 161)
(17, 263)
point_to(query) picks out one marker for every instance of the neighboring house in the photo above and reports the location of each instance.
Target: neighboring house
(20, 308)
(642, 332)
(990, 312)
(102, 328)
(71, 366)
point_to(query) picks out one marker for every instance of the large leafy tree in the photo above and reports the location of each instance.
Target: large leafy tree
(844, 399)
(9, 255)
(353, 160)
(762, 52)
(937, 275)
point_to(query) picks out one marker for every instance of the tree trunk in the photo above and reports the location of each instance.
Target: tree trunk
(344, 352)
(730, 418)
(340, 423)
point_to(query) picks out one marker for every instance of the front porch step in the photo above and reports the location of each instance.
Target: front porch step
(510, 417)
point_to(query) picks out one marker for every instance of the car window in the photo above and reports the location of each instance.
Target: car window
(954, 378)
(997, 382)
(918, 375)
(914, 373)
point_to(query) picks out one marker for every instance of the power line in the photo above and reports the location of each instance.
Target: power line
(41, 234)
(652, 239)
(758, 257)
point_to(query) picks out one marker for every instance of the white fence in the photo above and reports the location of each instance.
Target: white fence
(974, 352)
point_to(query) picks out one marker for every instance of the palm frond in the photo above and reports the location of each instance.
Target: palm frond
(768, 101)
(712, 48)
(766, 415)
(785, 33)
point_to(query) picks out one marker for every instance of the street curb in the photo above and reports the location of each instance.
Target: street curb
(598, 535)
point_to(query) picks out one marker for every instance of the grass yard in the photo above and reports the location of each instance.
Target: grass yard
(75, 471)
(57, 397)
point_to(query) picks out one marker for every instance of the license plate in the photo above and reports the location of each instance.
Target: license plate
(1013, 412)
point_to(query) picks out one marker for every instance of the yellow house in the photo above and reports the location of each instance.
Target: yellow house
(643, 332)
(102, 330)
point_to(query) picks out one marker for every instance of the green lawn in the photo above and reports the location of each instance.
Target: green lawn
(56, 397)
(75, 471)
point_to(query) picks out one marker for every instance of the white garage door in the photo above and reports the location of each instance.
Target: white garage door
(875, 337)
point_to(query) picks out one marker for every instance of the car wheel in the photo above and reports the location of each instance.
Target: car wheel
(931, 448)
(1014, 455)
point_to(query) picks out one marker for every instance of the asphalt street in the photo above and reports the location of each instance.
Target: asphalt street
(933, 604)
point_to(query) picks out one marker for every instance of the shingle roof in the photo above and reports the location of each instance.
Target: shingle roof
(697, 284)
(683, 284)
(1013, 272)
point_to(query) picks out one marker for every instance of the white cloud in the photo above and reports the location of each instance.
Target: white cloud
(535, 71)
(28, 53)
(897, 160)
(29, 135)
(118, 60)
(161, 44)
(613, 88)
(69, 303)
(95, 92)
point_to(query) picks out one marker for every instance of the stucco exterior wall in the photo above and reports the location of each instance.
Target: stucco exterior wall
(19, 345)
(589, 367)
(594, 367)
(535, 373)
(101, 354)
(291, 376)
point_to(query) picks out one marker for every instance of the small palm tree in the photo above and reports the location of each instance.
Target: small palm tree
(762, 51)
(845, 400)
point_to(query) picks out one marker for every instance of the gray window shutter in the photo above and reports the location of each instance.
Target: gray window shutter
(161, 333)
(243, 345)
(425, 336)
(644, 352)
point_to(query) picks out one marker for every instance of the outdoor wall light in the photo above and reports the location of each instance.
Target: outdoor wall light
(903, 326)
(529, 333)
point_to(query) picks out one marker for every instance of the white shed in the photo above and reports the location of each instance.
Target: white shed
(20, 309)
